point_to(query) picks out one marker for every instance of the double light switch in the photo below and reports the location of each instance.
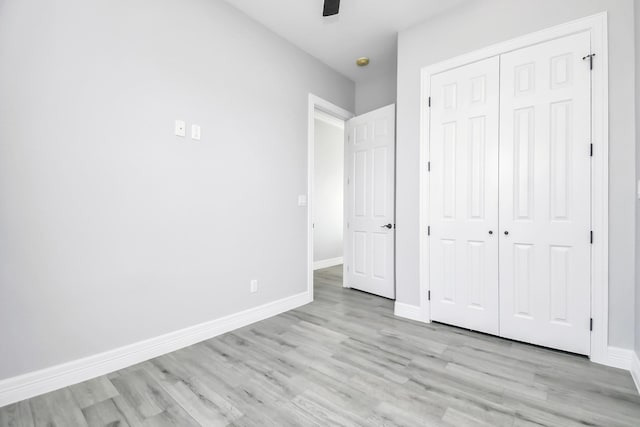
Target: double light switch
(181, 130)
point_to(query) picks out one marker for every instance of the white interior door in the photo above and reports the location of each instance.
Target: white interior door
(545, 194)
(464, 196)
(369, 203)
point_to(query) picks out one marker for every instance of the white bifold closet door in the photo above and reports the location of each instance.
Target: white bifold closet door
(510, 194)
(464, 196)
(545, 194)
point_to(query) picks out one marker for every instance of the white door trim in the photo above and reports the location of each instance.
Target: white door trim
(597, 26)
(315, 102)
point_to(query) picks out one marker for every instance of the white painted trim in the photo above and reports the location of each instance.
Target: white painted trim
(329, 119)
(424, 200)
(326, 263)
(618, 358)
(635, 369)
(43, 381)
(316, 103)
(408, 311)
(597, 26)
(600, 190)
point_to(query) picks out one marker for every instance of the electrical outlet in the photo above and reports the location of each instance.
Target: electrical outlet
(180, 128)
(254, 286)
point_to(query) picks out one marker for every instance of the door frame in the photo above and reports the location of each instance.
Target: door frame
(597, 26)
(317, 103)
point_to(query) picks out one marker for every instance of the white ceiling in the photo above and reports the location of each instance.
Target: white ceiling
(363, 28)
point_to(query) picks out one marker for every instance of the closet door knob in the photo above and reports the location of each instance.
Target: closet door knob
(490, 231)
(506, 233)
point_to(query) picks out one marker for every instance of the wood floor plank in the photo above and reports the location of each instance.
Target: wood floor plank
(57, 409)
(345, 360)
(203, 405)
(105, 414)
(93, 391)
(150, 401)
(17, 415)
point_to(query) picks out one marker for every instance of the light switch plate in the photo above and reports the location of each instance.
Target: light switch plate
(181, 128)
(302, 200)
(195, 132)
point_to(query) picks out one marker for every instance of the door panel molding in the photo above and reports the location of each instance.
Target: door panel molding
(596, 25)
(464, 190)
(545, 193)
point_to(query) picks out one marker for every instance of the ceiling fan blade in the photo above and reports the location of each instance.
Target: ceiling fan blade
(331, 7)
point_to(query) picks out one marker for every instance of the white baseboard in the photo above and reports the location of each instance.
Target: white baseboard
(618, 358)
(43, 381)
(408, 311)
(635, 369)
(326, 263)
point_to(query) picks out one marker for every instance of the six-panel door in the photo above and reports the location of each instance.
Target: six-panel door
(464, 196)
(530, 186)
(545, 194)
(370, 220)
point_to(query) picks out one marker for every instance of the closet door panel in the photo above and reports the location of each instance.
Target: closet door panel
(464, 196)
(545, 194)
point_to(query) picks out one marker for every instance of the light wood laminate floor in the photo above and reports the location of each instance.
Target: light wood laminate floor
(345, 360)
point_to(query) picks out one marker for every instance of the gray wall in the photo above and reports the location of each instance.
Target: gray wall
(328, 191)
(112, 230)
(481, 23)
(637, 52)
(376, 91)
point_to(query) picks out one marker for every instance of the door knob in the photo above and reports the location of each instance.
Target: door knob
(506, 233)
(389, 226)
(490, 231)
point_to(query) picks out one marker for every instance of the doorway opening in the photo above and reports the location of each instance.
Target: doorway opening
(328, 199)
(328, 191)
(326, 184)
(368, 196)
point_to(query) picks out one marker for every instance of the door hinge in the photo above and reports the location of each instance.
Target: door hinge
(590, 57)
(429, 102)
(347, 225)
(428, 295)
(591, 324)
(591, 237)
(428, 166)
(428, 230)
(591, 151)
(348, 181)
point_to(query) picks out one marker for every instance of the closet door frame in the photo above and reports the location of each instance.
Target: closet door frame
(596, 25)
